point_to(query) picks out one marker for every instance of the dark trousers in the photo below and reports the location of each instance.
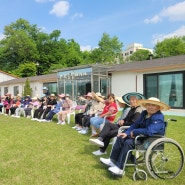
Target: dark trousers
(120, 149)
(12, 110)
(38, 113)
(109, 131)
(46, 111)
(78, 118)
(50, 115)
(86, 120)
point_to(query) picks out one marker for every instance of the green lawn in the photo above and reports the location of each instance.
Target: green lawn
(34, 153)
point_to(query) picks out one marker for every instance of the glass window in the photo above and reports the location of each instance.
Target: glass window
(52, 87)
(5, 90)
(167, 87)
(16, 90)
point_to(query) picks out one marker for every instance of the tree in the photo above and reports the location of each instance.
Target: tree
(170, 47)
(109, 49)
(27, 88)
(140, 55)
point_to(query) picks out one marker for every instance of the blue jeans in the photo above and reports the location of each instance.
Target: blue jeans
(120, 149)
(97, 121)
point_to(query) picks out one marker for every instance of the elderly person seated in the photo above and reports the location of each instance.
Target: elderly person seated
(95, 110)
(108, 114)
(66, 108)
(151, 122)
(129, 116)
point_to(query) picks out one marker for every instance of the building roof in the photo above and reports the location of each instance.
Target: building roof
(8, 74)
(41, 78)
(151, 65)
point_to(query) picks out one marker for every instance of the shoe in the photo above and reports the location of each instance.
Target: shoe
(97, 142)
(59, 123)
(95, 135)
(16, 116)
(34, 119)
(116, 171)
(63, 123)
(83, 132)
(98, 152)
(75, 127)
(107, 162)
(79, 128)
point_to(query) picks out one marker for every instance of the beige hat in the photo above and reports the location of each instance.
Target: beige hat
(52, 95)
(154, 101)
(121, 100)
(34, 98)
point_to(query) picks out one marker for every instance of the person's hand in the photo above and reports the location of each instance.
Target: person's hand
(132, 135)
(120, 122)
(123, 135)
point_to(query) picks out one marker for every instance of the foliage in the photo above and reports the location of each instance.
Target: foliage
(170, 47)
(140, 55)
(27, 88)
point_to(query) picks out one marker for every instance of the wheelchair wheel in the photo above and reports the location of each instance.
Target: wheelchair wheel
(164, 158)
(140, 175)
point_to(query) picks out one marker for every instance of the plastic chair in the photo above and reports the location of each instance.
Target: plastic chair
(72, 112)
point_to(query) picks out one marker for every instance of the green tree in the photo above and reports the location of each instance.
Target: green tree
(170, 47)
(27, 88)
(108, 50)
(140, 55)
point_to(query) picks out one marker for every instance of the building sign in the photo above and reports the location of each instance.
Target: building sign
(75, 74)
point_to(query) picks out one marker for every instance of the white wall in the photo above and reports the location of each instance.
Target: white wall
(5, 77)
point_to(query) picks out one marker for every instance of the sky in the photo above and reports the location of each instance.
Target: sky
(132, 21)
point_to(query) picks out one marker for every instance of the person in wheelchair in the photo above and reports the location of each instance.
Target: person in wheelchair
(110, 130)
(151, 122)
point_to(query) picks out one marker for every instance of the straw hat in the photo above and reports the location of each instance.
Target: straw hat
(154, 101)
(67, 95)
(127, 96)
(34, 98)
(88, 95)
(99, 94)
(121, 100)
(52, 95)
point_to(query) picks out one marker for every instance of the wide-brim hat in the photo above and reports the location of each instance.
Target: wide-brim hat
(99, 94)
(119, 99)
(53, 95)
(127, 96)
(42, 96)
(155, 101)
(45, 88)
(88, 95)
(34, 98)
(61, 95)
(67, 95)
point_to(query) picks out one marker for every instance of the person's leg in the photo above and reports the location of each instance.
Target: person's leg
(47, 110)
(50, 115)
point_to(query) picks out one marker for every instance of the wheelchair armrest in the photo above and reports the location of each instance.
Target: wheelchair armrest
(122, 128)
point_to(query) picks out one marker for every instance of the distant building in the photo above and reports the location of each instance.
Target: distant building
(131, 48)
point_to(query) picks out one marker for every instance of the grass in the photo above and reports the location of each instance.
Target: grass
(34, 153)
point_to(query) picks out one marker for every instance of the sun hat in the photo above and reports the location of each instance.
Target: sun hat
(61, 95)
(99, 94)
(45, 88)
(126, 97)
(52, 94)
(121, 100)
(88, 95)
(42, 96)
(154, 101)
(67, 95)
(34, 98)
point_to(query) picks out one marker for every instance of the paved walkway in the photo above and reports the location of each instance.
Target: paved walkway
(175, 112)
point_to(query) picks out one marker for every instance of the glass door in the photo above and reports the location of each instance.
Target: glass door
(104, 86)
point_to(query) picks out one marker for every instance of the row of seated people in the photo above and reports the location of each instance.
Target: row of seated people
(148, 121)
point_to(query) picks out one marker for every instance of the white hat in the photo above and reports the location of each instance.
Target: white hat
(154, 101)
(121, 100)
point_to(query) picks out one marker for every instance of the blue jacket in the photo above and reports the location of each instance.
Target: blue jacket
(148, 126)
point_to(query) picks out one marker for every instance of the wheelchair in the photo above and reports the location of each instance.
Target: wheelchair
(162, 157)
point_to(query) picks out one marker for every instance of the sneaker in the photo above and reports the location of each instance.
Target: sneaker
(75, 127)
(107, 162)
(116, 171)
(59, 123)
(34, 119)
(95, 135)
(79, 128)
(98, 152)
(97, 142)
(83, 132)
(63, 123)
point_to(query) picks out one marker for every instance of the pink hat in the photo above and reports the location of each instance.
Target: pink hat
(61, 95)
(89, 94)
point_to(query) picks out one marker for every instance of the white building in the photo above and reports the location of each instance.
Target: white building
(131, 48)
